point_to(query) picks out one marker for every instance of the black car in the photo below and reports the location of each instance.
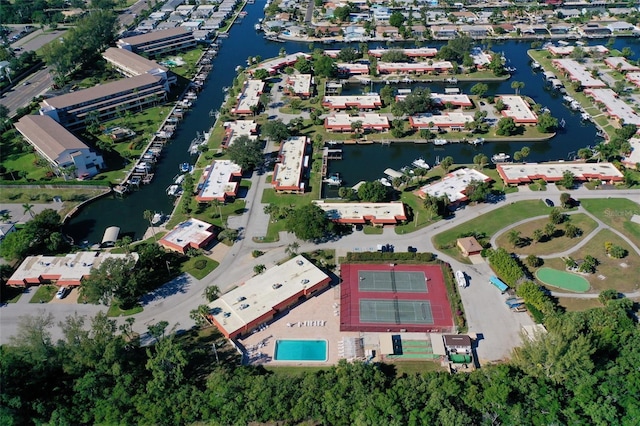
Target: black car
(548, 202)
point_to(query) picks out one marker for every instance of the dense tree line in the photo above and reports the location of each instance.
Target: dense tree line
(82, 44)
(40, 235)
(584, 371)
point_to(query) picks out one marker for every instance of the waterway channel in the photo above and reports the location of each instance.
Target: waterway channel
(359, 163)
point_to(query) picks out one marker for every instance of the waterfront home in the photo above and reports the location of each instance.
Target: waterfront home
(347, 69)
(293, 162)
(554, 172)
(446, 121)
(190, 234)
(131, 64)
(633, 77)
(361, 213)
(426, 67)
(442, 99)
(445, 31)
(578, 72)
(234, 129)
(158, 43)
(616, 107)
(248, 100)
(421, 52)
(368, 122)
(59, 146)
(518, 109)
(220, 181)
(453, 185)
(277, 64)
(361, 102)
(621, 64)
(108, 99)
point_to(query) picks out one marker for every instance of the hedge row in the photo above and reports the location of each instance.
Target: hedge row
(506, 267)
(366, 256)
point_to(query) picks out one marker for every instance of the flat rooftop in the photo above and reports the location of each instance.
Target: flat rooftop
(457, 99)
(449, 119)
(419, 52)
(518, 109)
(359, 101)
(288, 173)
(414, 66)
(258, 296)
(249, 97)
(300, 83)
(453, 185)
(66, 270)
(568, 50)
(362, 212)
(634, 157)
(616, 107)
(578, 72)
(516, 173)
(621, 63)
(235, 129)
(275, 64)
(219, 182)
(153, 36)
(354, 68)
(190, 232)
(367, 120)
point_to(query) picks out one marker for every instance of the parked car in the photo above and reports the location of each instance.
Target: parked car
(62, 292)
(548, 202)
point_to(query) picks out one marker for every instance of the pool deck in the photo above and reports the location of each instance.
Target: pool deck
(319, 308)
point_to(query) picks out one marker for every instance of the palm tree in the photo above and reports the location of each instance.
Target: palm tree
(537, 235)
(5, 216)
(524, 152)
(211, 293)
(292, 248)
(514, 237)
(148, 215)
(549, 229)
(517, 85)
(28, 208)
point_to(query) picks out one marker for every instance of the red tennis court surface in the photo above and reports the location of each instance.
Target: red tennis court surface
(393, 298)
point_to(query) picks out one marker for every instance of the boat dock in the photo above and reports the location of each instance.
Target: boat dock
(329, 154)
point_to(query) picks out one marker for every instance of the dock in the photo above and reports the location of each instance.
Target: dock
(329, 154)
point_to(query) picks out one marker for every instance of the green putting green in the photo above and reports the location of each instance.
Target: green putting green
(563, 279)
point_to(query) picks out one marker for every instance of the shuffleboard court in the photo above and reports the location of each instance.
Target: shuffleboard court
(562, 279)
(396, 311)
(393, 281)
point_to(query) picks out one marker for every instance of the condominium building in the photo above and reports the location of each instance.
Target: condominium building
(58, 146)
(131, 64)
(288, 174)
(161, 42)
(107, 100)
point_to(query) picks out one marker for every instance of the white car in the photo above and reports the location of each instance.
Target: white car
(62, 292)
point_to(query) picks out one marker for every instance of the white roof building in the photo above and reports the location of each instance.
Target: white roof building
(552, 172)
(634, 157)
(453, 185)
(249, 97)
(235, 129)
(260, 298)
(62, 270)
(192, 233)
(578, 72)
(288, 174)
(422, 52)
(221, 181)
(620, 63)
(274, 65)
(616, 107)
(452, 120)
(518, 109)
(299, 84)
(369, 121)
(354, 213)
(365, 101)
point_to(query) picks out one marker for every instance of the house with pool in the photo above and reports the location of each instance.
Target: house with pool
(259, 299)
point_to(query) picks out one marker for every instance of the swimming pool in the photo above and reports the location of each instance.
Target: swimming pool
(300, 350)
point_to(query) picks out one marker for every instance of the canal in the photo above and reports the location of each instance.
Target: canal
(359, 163)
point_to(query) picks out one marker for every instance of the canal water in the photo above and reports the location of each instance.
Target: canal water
(359, 163)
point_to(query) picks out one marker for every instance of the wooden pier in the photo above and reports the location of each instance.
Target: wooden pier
(329, 154)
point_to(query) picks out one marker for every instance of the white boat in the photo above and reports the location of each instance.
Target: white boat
(333, 180)
(179, 179)
(257, 27)
(535, 65)
(568, 98)
(157, 218)
(461, 279)
(420, 163)
(500, 158)
(477, 141)
(585, 116)
(440, 141)
(173, 190)
(184, 167)
(384, 181)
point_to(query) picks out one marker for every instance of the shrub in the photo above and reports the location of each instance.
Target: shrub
(200, 264)
(615, 251)
(506, 267)
(257, 253)
(534, 261)
(387, 256)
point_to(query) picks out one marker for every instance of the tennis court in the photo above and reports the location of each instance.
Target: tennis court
(393, 281)
(563, 279)
(394, 297)
(396, 311)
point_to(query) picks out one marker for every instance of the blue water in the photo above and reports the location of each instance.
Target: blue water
(360, 162)
(301, 350)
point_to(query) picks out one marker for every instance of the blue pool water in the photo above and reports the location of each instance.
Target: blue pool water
(301, 350)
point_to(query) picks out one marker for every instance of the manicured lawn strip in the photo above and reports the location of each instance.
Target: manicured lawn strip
(416, 367)
(556, 244)
(372, 230)
(617, 213)
(290, 371)
(617, 277)
(563, 280)
(115, 311)
(44, 294)
(490, 223)
(189, 267)
(420, 215)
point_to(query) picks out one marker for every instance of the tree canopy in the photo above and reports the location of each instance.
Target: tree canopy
(40, 235)
(275, 130)
(418, 101)
(373, 192)
(245, 152)
(309, 222)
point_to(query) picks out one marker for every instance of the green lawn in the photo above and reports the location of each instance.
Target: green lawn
(189, 267)
(372, 230)
(617, 213)
(116, 311)
(557, 244)
(489, 224)
(44, 294)
(562, 279)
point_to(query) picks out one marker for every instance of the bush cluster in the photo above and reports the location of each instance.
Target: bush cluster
(200, 264)
(402, 256)
(506, 267)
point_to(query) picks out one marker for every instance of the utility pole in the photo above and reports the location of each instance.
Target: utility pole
(215, 351)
